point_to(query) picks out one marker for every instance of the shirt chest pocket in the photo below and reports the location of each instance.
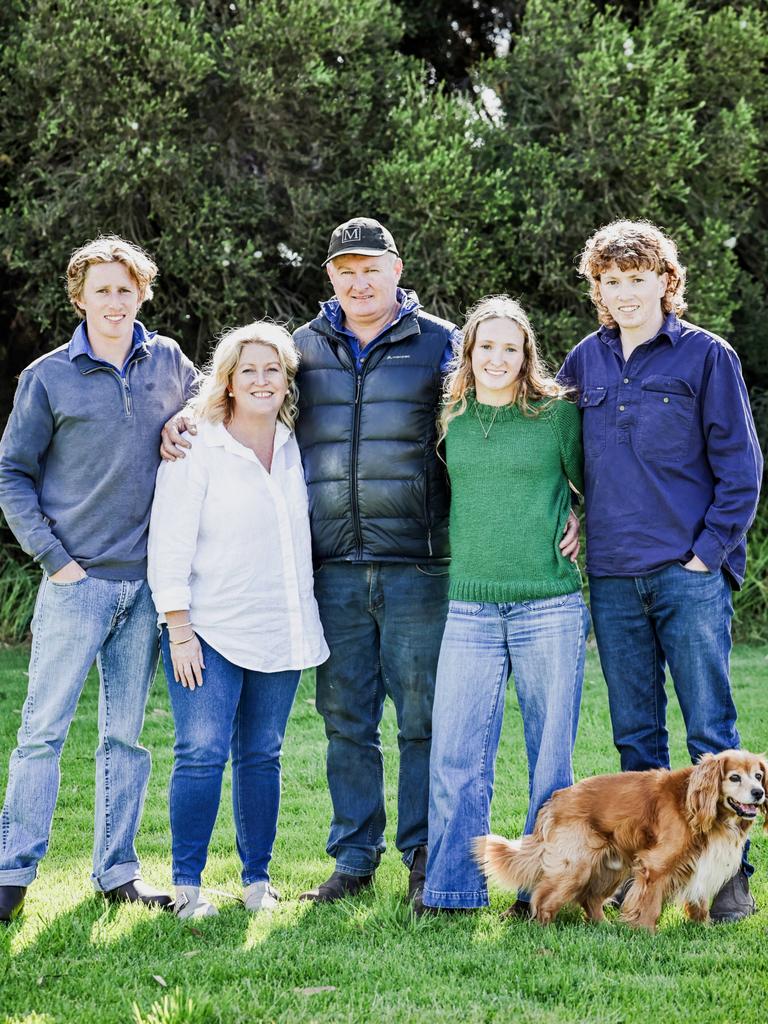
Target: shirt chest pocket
(593, 405)
(667, 406)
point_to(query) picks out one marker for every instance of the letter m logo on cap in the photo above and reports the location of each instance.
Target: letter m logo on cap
(351, 235)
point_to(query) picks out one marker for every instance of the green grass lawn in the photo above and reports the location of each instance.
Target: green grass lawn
(72, 958)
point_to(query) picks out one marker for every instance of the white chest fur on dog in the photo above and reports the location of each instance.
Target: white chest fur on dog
(716, 864)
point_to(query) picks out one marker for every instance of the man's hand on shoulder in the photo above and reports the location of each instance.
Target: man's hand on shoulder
(172, 441)
(70, 573)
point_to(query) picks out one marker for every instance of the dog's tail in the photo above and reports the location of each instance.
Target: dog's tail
(513, 863)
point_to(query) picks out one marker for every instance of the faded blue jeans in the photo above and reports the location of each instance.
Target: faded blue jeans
(238, 710)
(115, 623)
(543, 643)
(382, 623)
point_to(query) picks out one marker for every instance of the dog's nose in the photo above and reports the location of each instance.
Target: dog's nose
(757, 794)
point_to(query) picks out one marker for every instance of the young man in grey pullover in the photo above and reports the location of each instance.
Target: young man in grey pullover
(77, 473)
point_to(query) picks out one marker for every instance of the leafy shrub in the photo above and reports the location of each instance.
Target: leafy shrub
(224, 138)
(19, 580)
(751, 602)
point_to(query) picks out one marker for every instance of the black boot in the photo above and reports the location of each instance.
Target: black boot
(137, 891)
(339, 886)
(11, 901)
(417, 874)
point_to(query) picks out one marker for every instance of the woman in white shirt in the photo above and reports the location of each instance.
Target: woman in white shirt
(230, 567)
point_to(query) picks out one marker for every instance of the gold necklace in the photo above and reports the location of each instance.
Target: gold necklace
(490, 425)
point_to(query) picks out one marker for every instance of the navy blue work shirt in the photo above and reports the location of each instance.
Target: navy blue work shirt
(672, 460)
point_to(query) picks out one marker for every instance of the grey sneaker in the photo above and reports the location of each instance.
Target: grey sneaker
(189, 903)
(734, 902)
(260, 896)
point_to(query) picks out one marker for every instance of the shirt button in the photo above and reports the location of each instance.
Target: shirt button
(626, 380)
(666, 400)
(621, 408)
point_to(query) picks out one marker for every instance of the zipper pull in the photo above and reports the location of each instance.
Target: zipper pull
(359, 384)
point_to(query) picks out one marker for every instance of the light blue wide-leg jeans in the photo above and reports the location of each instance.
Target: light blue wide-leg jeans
(543, 643)
(114, 623)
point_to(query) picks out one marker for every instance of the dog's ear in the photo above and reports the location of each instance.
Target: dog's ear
(704, 793)
(764, 808)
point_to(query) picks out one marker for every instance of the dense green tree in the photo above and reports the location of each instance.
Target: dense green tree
(228, 137)
(586, 119)
(224, 138)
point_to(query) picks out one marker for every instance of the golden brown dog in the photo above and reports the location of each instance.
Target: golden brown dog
(678, 835)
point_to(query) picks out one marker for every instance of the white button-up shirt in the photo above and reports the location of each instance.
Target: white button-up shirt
(230, 542)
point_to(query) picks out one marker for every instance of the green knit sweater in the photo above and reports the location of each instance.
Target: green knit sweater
(510, 501)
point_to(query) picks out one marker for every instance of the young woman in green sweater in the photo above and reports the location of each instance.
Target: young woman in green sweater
(513, 446)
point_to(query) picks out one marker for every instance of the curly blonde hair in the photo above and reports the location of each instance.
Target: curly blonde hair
(109, 249)
(212, 401)
(633, 245)
(534, 382)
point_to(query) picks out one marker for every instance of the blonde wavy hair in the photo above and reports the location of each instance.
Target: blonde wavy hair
(109, 249)
(212, 402)
(633, 245)
(534, 383)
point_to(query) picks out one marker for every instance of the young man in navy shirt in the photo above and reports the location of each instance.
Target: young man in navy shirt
(673, 470)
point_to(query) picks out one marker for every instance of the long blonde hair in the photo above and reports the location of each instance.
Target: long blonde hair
(212, 401)
(534, 382)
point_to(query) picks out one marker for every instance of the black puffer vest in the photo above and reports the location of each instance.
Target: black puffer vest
(377, 490)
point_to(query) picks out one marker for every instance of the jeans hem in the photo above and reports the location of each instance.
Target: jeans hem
(118, 874)
(408, 855)
(187, 880)
(250, 879)
(358, 872)
(18, 876)
(455, 900)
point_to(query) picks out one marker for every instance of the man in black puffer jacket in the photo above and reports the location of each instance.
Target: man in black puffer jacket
(370, 383)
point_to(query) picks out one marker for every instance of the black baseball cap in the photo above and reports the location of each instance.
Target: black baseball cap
(360, 236)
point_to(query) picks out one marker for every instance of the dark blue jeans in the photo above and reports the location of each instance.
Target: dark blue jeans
(383, 623)
(672, 616)
(239, 710)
